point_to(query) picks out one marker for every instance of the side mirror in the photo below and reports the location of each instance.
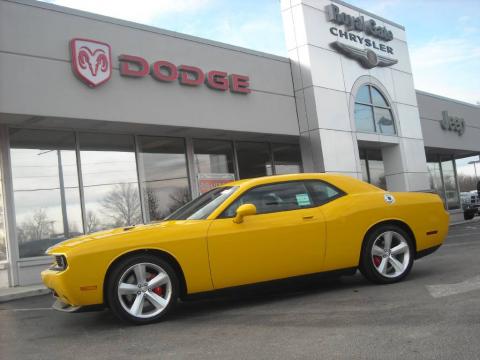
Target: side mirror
(244, 210)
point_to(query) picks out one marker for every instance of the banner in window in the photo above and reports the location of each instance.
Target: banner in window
(207, 182)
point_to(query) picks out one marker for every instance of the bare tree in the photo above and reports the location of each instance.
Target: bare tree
(38, 227)
(158, 211)
(178, 198)
(467, 182)
(154, 205)
(122, 205)
(92, 223)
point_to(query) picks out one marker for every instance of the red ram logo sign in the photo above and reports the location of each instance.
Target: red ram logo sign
(91, 61)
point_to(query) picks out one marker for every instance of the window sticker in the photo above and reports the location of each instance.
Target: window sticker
(303, 200)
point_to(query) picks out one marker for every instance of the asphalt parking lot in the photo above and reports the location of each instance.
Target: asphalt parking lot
(434, 314)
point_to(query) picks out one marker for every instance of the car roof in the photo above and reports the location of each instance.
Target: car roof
(346, 183)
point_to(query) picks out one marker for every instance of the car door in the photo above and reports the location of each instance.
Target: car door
(285, 238)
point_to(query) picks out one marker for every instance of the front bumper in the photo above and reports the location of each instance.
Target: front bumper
(71, 288)
(57, 281)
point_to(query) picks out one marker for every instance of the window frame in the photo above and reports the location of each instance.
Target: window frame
(372, 107)
(340, 193)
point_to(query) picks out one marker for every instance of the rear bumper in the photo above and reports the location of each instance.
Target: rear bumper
(425, 252)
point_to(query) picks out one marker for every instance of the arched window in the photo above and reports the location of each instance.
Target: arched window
(373, 113)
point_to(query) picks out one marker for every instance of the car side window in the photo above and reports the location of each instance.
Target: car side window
(271, 198)
(322, 192)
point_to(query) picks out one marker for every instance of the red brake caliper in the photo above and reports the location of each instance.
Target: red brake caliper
(377, 260)
(157, 290)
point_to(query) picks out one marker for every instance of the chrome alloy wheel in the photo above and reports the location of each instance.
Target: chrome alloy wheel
(390, 254)
(144, 290)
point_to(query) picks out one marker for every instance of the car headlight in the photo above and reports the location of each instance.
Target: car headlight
(60, 263)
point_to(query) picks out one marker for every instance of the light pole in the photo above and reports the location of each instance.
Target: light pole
(476, 176)
(475, 167)
(66, 230)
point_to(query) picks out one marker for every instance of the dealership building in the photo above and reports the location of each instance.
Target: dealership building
(107, 123)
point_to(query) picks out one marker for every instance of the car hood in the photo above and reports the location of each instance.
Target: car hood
(79, 240)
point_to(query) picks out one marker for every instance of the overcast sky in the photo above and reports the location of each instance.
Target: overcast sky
(443, 35)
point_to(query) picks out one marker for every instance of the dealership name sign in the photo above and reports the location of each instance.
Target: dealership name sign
(364, 55)
(92, 63)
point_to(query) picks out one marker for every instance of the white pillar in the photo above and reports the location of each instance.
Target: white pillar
(326, 78)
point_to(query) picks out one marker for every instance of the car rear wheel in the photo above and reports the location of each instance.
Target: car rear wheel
(142, 289)
(387, 255)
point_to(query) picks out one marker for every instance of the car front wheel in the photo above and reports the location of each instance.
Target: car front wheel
(387, 255)
(142, 289)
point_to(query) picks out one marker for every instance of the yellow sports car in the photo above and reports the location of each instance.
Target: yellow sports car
(246, 232)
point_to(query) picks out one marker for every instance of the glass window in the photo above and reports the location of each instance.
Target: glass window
(110, 183)
(204, 205)
(364, 118)
(435, 177)
(377, 173)
(163, 165)
(45, 186)
(363, 95)
(373, 169)
(254, 159)
(287, 158)
(273, 198)
(213, 156)
(384, 121)
(372, 111)
(363, 165)
(377, 98)
(450, 182)
(467, 174)
(322, 192)
(443, 180)
(214, 163)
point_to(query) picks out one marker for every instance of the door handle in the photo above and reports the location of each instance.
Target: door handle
(308, 217)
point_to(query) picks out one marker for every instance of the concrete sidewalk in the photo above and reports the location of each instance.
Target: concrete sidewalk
(20, 292)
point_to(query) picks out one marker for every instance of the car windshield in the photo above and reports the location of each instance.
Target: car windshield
(204, 205)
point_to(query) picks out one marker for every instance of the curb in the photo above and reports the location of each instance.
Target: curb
(15, 293)
(461, 222)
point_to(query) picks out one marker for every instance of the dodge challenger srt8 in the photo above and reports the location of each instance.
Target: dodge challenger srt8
(246, 232)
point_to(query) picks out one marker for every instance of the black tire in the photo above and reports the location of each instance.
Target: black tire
(367, 262)
(468, 215)
(115, 300)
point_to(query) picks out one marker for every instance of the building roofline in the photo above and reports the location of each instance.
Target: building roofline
(353, 7)
(152, 29)
(439, 97)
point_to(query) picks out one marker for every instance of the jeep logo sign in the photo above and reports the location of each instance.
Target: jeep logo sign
(452, 123)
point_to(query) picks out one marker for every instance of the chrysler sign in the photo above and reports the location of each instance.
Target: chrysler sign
(92, 63)
(361, 48)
